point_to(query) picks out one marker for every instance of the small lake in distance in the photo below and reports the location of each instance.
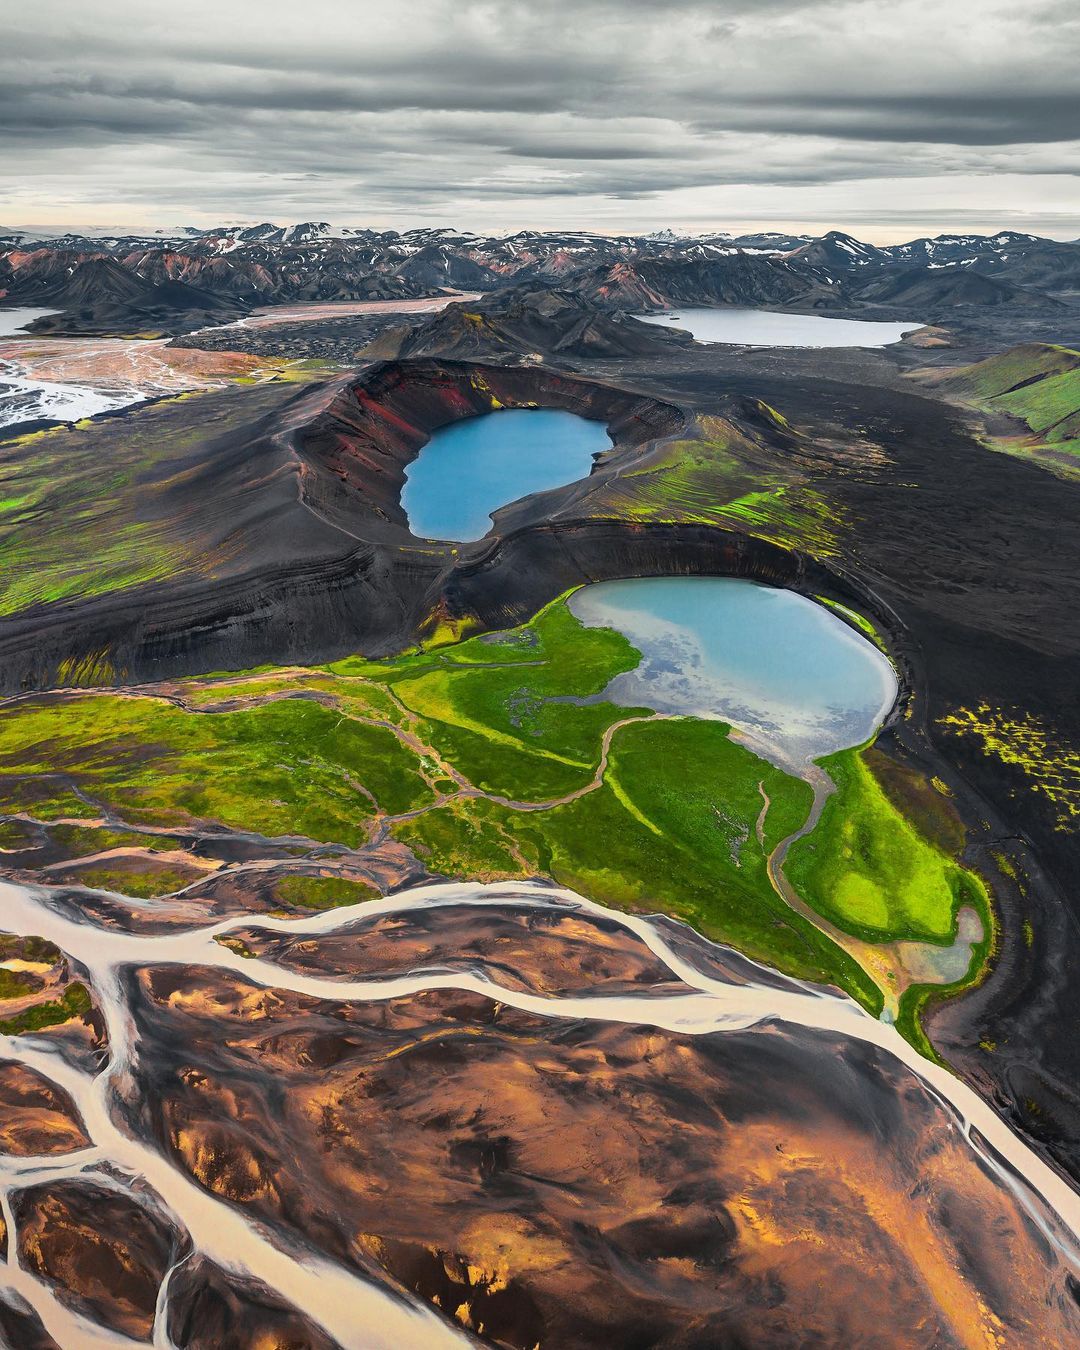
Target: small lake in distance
(470, 468)
(13, 321)
(783, 670)
(763, 328)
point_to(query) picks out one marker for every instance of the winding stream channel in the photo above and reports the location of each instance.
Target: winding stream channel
(355, 1312)
(358, 1312)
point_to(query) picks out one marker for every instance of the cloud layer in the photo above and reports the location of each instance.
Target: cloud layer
(617, 114)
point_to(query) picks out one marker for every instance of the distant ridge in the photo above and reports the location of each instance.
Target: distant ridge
(520, 324)
(267, 264)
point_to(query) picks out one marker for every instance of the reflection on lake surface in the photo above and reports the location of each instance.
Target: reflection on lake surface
(762, 328)
(786, 672)
(471, 468)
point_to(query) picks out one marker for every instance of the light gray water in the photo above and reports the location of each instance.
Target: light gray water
(794, 679)
(763, 328)
(14, 321)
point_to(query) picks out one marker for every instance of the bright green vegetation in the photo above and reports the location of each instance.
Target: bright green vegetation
(15, 835)
(323, 892)
(447, 750)
(860, 621)
(78, 840)
(35, 949)
(494, 720)
(920, 996)
(1049, 761)
(146, 883)
(718, 480)
(869, 869)
(287, 767)
(1039, 384)
(16, 983)
(672, 828)
(79, 511)
(75, 1002)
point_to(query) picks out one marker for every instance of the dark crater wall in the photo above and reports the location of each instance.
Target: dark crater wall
(323, 561)
(356, 449)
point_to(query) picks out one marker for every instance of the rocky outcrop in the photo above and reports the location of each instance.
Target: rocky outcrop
(267, 264)
(104, 1252)
(523, 325)
(100, 295)
(741, 279)
(935, 293)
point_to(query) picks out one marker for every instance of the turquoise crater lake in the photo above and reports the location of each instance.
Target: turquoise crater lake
(471, 468)
(794, 679)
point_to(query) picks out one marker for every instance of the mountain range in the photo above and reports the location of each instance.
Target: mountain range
(177, 281)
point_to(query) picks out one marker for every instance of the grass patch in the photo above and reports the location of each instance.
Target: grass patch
(658, 837)
(84, 512)
(75, 1002)
(869, 869)
(145, 882)
(672, 827)
(289, 767)
(490, 710)
(1037, 383)
(323, 892)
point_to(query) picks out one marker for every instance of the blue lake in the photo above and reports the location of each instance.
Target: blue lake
(763, 328)
(471, 468)
(793, 678)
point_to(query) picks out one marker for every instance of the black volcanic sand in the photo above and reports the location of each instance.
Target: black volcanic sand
(36, 1117)
(106, 1254)
(967, 560)
(574, 1184)
(20, 1325)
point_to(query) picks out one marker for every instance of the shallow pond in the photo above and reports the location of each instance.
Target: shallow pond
(13, 321)
(789, 675)
(762, 328)
(470, 468)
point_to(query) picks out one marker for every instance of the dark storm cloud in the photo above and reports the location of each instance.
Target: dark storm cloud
(1002, 118)
(442, 102)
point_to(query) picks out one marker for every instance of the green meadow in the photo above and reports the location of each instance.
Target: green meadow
(480, 757)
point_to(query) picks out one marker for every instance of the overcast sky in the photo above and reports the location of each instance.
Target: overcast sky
(891, 118)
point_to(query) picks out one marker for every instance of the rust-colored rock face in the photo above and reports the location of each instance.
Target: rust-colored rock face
(356, 447)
